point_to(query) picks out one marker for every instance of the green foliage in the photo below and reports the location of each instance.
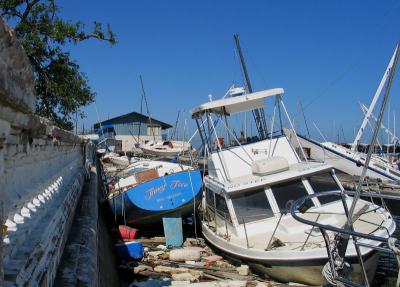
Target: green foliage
(62, 89)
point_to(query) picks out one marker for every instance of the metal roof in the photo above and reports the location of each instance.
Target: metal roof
(132, 117)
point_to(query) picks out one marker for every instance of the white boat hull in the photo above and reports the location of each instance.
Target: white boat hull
(304, 270)
(166, 148)
(347, 164)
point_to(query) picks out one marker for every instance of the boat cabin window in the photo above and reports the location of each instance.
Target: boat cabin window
(210, 198)
(222, 207)
(324, 182)
(210, 204)
(251, 206)
(289, 191)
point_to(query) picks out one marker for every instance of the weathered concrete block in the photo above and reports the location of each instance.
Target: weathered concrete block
(16, 77)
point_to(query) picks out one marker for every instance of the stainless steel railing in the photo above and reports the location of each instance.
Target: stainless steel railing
(335, 269)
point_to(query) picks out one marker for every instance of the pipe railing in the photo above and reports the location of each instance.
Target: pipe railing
(334, 274)
(299, 202)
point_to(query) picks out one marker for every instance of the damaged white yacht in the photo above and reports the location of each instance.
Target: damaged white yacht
(251, 184)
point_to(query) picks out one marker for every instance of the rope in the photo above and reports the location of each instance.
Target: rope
(123, 206)
(330, 276)
(194, 206)
(327, 273)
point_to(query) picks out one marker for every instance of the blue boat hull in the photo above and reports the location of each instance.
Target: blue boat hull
(147, 203)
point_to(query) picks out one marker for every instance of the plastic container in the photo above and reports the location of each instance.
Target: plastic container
(127, 232)
(132, 250)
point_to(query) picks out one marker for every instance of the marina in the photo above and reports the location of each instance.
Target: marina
(238, 192)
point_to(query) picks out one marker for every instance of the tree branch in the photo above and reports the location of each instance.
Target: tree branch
(28, 9)
(82, 37)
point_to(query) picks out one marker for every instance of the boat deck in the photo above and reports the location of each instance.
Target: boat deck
(291, 235)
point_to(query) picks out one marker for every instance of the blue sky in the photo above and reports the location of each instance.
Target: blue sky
(327, 54)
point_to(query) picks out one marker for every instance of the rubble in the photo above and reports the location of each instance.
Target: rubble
(193, 265)
(185, 254)
(243, 270)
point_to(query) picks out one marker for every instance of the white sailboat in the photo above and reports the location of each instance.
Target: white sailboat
(350, 160)
(250, 186)
(162, 148)
(166, 148)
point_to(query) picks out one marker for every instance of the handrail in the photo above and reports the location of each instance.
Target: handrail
(276, 227)
(299, 202)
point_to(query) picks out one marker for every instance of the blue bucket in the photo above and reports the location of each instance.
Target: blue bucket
(130, 250)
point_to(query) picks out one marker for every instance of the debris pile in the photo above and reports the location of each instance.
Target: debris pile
(194, 264)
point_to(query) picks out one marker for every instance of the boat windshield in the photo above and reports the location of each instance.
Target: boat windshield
(287, 192)
(324, 182)
(251, 206)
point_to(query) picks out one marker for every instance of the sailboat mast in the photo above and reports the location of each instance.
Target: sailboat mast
(373, 103)
(258, 114)
(147, 107)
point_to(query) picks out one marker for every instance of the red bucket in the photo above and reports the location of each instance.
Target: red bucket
(127, 232)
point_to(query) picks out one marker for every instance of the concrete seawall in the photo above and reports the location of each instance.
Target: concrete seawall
(42, 174)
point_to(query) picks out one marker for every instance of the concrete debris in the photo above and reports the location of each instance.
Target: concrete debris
(155, 254)
(212, 258)
(243, 270)
(141, 268)
(171, 270)
(185, 254)
(190, 262)
(184, 277)
(162, 247)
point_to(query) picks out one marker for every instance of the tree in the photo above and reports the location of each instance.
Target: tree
(61, 88)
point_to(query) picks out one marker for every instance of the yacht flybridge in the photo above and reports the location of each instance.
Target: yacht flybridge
(251, 183)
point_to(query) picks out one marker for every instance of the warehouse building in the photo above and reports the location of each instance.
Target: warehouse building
(132, 128)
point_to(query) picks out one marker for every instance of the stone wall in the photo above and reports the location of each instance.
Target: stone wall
(42, 170)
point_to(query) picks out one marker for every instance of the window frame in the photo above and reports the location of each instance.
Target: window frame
(217, 213)
(337, 182)
(236, 219)
(306, 187)
(210, 209)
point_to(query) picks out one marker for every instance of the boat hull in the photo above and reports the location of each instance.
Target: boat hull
(341, 162)
(147, 203)
(160, 152)
(304, 271)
